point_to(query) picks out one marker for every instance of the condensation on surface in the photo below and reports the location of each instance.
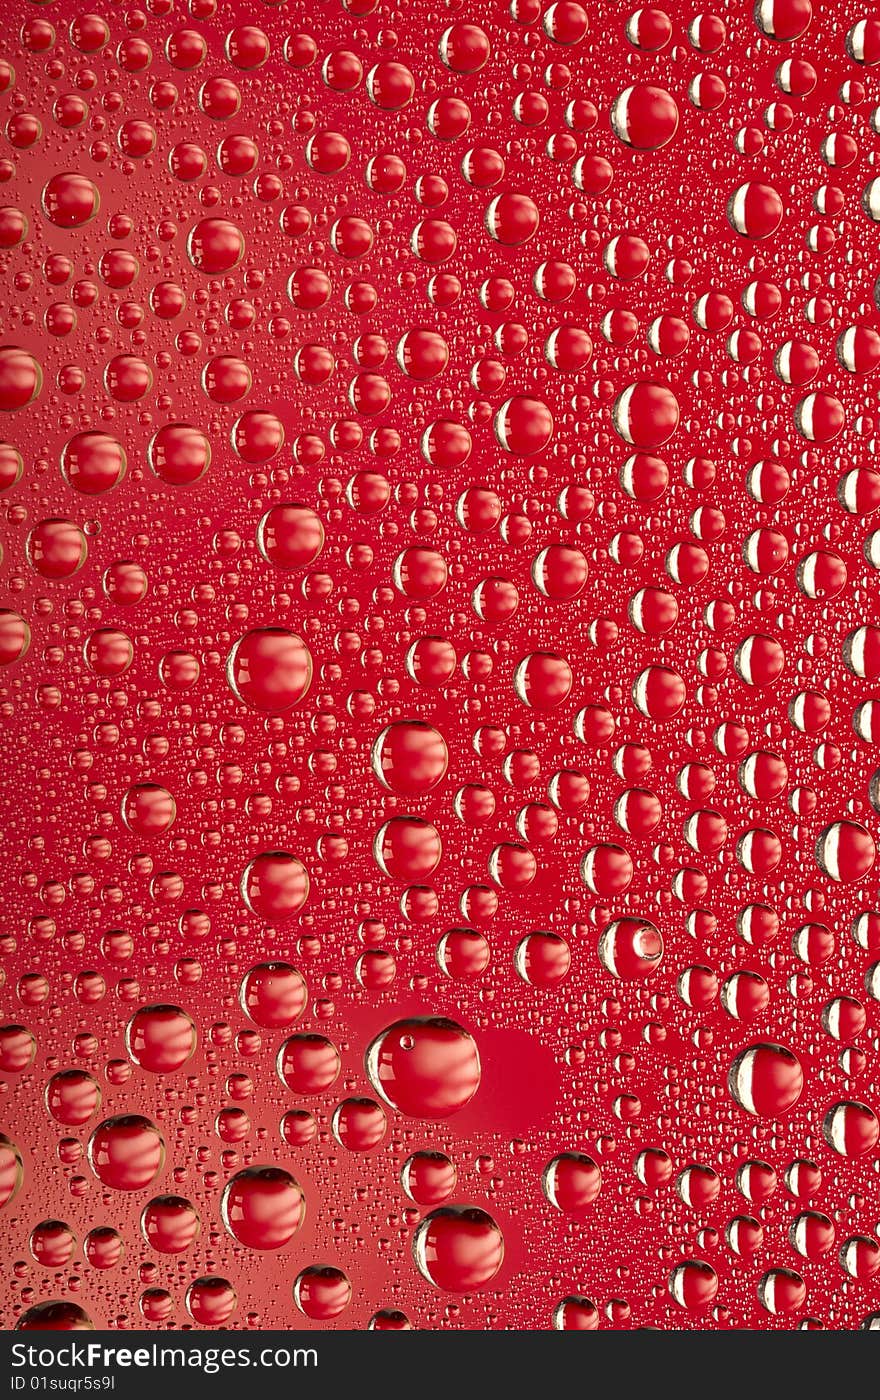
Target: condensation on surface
(440, 664)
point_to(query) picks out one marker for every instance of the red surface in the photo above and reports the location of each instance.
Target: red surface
(513, 311)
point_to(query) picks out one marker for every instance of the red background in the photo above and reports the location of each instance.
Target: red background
(550, 1068)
